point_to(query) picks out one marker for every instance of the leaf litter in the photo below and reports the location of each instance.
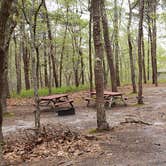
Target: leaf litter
(51, 141)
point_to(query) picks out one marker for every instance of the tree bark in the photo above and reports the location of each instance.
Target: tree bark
(90, 50)
(26, 59)
(154, 43)
(143, 60)
(82, 66)
(116, 42)
(148, 60)
(35, 49)
(152, 16)
(63, 49)
(132, 67)
(140, 32)
(18, 66)
(25, 56)
(5, 9)
(51, 46)
(45, 61)
(108, 47)
(99, 80)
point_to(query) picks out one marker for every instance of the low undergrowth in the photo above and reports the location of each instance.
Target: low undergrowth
(45, 91)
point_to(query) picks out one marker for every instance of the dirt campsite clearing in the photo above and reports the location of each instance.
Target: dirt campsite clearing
(137, 135)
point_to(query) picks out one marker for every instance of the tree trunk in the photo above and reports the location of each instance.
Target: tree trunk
(108, 47)
(140, 32)
(37, 64)
(143, 60)
(154, 42)
(25, 56)
(105, 74)
(61, 57)
(99, 80)
(45, 61)
(132, 68)
(26, 65)
(63, 49)
(51, 46)
(82, 66)
(148, 60)
(18, 66)
(116, 41)
(152, 34)
(5, 9)
(90, 51)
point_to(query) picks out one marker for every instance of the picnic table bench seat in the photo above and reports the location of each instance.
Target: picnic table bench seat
(64, 102)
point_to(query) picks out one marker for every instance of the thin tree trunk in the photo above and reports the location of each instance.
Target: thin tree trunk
(45, 61)
(37, 64)
(51, 46)
(151, 47)
(140, 32)
(154, 42)
(75, 64)
(90, 51)
(143, 60)
(82, 67)
(18, 66)
(63, 49)
(148, 60)
(132, 68)
(25, 56)
(26, 65)
(41, 78)
(152, 33)
(116, 41)
(105, 74)
(61, 57)
(99, 80)
(108, 47)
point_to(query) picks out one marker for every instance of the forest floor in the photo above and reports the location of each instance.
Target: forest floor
(137, 136)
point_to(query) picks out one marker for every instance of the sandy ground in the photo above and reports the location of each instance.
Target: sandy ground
(126, 144)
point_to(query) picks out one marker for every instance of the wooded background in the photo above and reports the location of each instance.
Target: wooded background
(57, 34)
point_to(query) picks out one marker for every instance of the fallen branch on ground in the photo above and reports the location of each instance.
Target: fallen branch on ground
(130, 120)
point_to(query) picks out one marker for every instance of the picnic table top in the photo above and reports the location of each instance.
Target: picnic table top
(109, 93)
(51, 97)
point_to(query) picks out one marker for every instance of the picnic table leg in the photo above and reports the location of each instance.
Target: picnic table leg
(108, 102)
(123, 100)
(111, 101)
(71, 105)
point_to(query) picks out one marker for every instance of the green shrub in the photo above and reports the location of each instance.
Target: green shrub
(45, 91)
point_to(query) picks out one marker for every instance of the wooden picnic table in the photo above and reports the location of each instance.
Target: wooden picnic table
(55, 100)
(109, 97)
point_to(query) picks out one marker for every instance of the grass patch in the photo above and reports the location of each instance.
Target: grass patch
(45, 91)
(137, 105)
(132, 94)
(162, 80)
(93, 131)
